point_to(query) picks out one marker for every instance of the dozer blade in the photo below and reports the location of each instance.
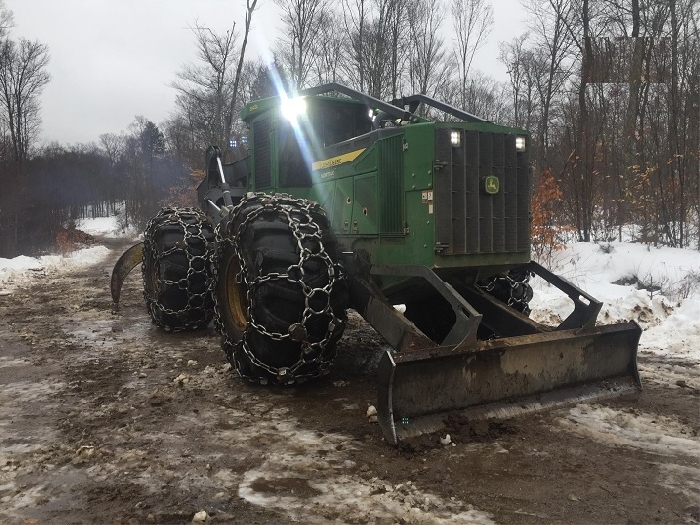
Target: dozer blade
(504, 377)
(127, 262)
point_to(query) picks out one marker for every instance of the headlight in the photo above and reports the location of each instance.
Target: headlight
(293, 108)
(455, 138)
(520, 143)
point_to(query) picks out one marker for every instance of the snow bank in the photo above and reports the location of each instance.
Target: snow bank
(659, 288)
(21, 270)
(610, 271)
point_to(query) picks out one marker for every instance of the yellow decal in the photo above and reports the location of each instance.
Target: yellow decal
(253, 107)
(335, 161)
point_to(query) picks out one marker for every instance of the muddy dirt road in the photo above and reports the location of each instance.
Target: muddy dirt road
(106, 419)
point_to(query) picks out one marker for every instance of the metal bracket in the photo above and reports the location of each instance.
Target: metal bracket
(467, 319)
(584, 315)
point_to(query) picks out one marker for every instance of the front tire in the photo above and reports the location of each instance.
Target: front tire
(281, 293)
(176, 269)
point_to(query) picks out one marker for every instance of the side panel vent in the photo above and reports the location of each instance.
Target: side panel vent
(262, 155)
(390, 173)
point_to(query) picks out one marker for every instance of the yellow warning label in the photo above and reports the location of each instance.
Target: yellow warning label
(335, 161)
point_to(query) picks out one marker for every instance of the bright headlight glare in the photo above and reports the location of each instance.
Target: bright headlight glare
(293, 108)
(519, 143)
(455, 138)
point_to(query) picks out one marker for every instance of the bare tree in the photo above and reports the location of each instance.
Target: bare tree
(208, 91)
(428, 69)
(585, 147)
(206, 85)
(6, 20)
(518, 60)
(552, 60)
(399, 33)
(23, 75)
(355, 19)
(330, 43)
(233, 105)
(484, 97)
(373, 40)
(112, 146)
(378, 52)
(303, 25)
(472, 21)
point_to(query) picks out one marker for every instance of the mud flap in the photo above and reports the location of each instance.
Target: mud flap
(504, 377)
(127, 262)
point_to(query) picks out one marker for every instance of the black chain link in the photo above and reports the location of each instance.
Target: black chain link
(512, 288)
(197, 233)
(298, 214)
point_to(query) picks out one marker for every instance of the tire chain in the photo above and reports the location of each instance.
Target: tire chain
(512, 288)
(284, 206)
(197, 264)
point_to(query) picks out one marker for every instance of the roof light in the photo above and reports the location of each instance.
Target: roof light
(520, 143)
(293, 108)
(455, 138)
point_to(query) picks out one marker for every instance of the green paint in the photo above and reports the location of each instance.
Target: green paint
(384, 200)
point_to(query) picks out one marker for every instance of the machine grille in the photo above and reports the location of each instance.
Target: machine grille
(469, 220)
(262, 154)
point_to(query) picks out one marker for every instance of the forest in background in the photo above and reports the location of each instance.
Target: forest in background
(610, 90)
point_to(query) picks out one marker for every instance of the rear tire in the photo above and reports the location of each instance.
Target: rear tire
(176, 269)
(281, 294)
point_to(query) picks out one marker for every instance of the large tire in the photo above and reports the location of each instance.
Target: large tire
(281, 293)
(177, 276)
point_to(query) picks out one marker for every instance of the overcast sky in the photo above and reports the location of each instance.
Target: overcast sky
(112, 60)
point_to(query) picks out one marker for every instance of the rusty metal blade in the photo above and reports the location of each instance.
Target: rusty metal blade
(127, 262)
(532, 372)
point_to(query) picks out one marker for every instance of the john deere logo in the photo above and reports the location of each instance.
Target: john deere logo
(491, 184)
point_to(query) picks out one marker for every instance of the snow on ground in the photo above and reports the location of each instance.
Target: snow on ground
(675, 442)
(17, 272)
(659, 288)
(653, 432)
(21, 270)
(662, 292)
(106, 226)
